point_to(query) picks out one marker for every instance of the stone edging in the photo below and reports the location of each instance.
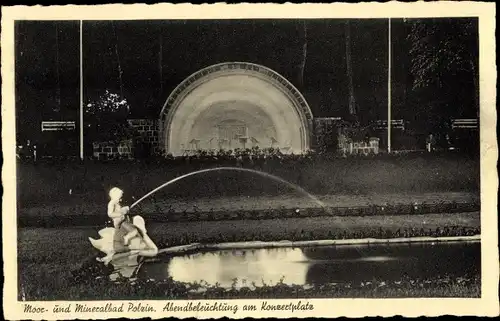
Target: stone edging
(287, 244)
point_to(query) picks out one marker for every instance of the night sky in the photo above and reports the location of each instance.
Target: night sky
(155, 56)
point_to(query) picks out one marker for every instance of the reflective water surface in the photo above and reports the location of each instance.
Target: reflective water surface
(320, 265)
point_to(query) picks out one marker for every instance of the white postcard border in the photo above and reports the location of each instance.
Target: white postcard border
(488, 305)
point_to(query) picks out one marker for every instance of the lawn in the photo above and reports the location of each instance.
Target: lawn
(79, 191)
(70, 183)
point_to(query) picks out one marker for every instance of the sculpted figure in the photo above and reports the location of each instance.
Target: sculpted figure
(127, 237)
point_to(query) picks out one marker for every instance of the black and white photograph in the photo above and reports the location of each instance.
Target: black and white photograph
(203, 161)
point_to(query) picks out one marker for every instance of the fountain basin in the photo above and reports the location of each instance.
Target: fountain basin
(317, 263)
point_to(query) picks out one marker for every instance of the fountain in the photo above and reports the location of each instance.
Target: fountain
(300, 263)
(126, 260)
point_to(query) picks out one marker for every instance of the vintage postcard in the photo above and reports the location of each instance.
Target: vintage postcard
(208, 161)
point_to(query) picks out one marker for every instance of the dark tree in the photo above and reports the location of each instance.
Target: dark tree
(444, 66)
(348, 55)
(106, 118)
(304, 55)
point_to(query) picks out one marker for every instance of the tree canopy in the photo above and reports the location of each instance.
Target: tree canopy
(444, 59)
(106, 118)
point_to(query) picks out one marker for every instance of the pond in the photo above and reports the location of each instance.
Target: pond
(320, 265)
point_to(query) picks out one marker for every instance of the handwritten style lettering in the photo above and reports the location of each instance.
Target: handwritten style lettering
(28, 308)
(299, 306)
(199, 307)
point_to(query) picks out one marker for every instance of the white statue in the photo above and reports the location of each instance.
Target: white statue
(125, 238)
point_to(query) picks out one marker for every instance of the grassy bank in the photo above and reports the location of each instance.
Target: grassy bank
(50, 183)
(162, 212)
(467, 287)
(47, 257)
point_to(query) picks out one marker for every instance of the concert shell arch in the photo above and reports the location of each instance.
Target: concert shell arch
(235, 105)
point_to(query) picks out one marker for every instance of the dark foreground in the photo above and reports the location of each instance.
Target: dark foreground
(59, 264)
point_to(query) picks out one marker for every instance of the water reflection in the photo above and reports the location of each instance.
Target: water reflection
(126, 267)
(258, 266)
(393, 262)
(320, 265)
